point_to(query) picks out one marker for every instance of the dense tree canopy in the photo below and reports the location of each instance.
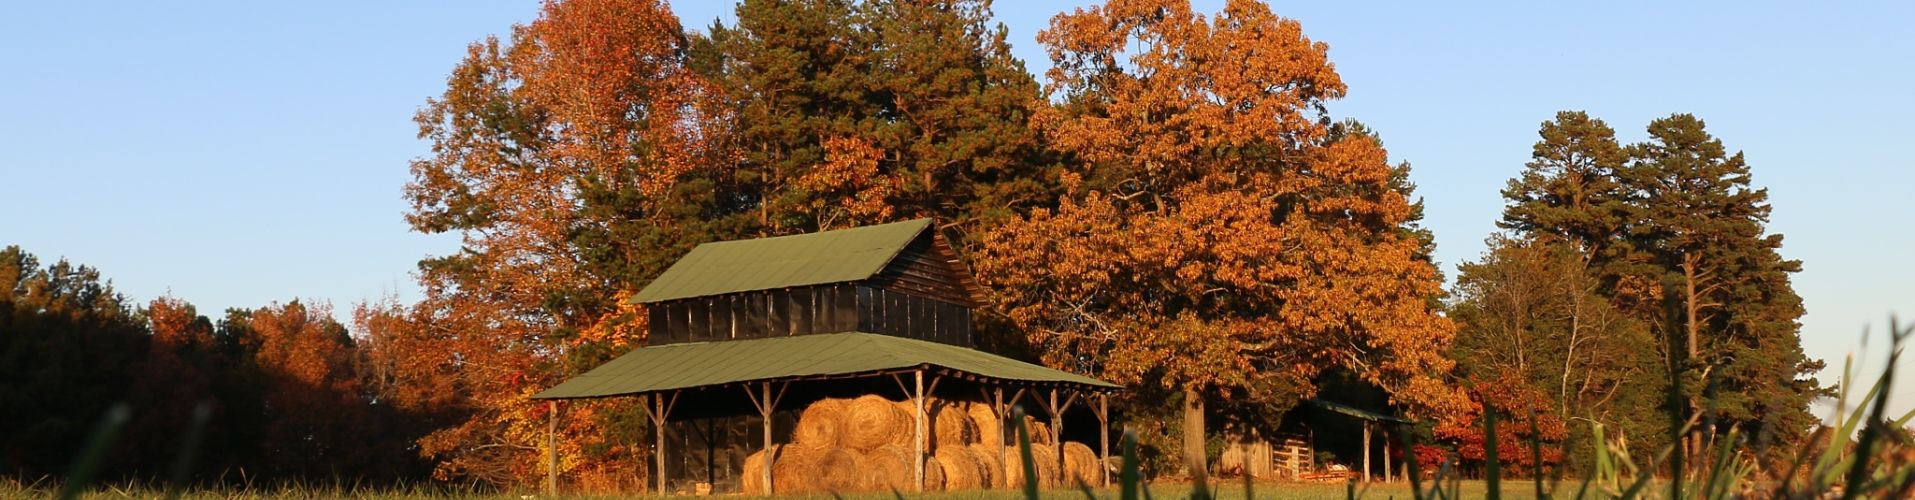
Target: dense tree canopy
(280, 383)
(1217, 236)
(602, 142)
(1641, 270)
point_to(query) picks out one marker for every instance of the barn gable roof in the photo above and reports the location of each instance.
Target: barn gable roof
(805, 357)
(839, 256)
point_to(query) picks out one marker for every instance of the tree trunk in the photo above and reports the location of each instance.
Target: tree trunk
(1194, 436)
(1692, 440)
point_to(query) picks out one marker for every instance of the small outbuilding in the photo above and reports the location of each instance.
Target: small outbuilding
(828, 357)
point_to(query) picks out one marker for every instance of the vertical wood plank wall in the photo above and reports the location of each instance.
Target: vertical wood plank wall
(808, 310)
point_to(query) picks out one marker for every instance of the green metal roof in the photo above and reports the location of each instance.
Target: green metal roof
(1357, 412)
(785, 261)
(705, 364)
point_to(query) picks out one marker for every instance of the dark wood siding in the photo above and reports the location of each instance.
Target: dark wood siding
(927, 267)
(909, 315)
(804, 311)
(844, 309)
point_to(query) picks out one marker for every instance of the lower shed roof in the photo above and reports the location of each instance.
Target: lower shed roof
(832, 355)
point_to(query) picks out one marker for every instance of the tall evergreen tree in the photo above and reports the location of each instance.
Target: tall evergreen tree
(1569, 189)
(1732, 312)
(1570, 201)
(857, 113)
(1672, 236)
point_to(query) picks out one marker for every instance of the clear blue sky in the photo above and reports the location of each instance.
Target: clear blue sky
(237, 153)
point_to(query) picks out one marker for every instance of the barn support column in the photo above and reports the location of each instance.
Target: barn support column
(1006, 433)
(766, 400)
(660, 409)
(1103, 436)
(1057, 429)
(1057, 424)
(1366, 451)
(552, 448)
(917, 433)
(997, 406)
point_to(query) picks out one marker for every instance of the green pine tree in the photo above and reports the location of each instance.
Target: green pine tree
(1730, 310)
(1569, 187)
(857, 113)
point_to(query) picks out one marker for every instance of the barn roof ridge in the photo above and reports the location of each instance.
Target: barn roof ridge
(824, 257)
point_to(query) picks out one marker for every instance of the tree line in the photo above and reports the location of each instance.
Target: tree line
(279, 392)
(1172, 208)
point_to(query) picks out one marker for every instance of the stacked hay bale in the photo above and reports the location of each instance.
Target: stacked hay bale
(1081, 465)
(864, 444)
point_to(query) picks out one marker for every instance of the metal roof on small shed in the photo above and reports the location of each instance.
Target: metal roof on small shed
(832, 355)
(786, 261)
(1357, 412)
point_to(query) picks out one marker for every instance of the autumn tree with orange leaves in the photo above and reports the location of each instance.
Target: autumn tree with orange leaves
(1218, 237)
(601, 142)
(575, 159)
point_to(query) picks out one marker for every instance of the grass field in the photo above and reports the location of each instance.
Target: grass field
(1231, 491)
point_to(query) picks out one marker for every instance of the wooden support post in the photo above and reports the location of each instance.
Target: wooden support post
(1103, 436)
(767, 402)
(770, 406)
(1056, 410)
(1057, 431)
(552, 448)
(1366, 451)
(917, 434)
(658, 432)
(659, 411)
(998, 407)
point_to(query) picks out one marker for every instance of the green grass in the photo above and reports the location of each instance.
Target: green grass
(1233, 491)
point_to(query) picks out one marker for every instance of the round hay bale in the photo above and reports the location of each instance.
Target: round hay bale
(1041, 433)
(987, 459)
(872, 422)
(820, 423)
(751, 477)
(1080, 464)
(1045, 459)
(961, 469)
(990, 429)
(1039, 430)
(1047, 472)
(838, 470)
(888, 469)
(951, 427)
(793, 467)
(933, 475)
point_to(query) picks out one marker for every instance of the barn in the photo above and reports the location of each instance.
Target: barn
(839, 361)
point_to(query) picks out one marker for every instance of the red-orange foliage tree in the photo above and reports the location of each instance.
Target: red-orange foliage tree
(602, 142)
(313, 415)
(573, 161)
(1526, 424)
(1218, 236)
(175, 376)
